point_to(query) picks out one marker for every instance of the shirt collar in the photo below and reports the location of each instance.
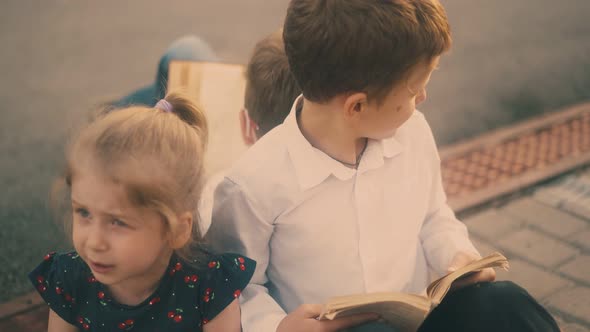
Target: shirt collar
(312, 166)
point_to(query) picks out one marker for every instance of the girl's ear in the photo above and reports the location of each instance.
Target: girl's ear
(183, 231)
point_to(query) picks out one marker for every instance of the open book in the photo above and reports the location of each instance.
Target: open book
(406, 312)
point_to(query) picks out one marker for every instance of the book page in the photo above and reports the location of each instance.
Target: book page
(439, 288)
(219, 89)
(406, 312)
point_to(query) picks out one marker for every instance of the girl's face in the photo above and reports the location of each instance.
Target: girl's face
(126, 247)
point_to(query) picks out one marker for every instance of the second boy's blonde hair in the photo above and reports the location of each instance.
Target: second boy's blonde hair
(271, 88)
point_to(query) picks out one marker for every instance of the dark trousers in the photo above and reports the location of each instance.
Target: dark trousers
(498, 306)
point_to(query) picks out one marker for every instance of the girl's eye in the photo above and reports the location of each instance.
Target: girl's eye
(83, 212)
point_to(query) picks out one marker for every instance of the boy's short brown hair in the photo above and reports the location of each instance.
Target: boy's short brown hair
(270, 86)
(340, 46)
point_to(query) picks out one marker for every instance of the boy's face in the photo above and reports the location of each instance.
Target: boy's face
(381, 121)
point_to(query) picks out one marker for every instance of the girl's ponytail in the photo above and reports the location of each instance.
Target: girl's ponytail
(190, 113)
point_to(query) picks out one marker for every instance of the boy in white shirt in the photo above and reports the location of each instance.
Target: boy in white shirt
(346, 196)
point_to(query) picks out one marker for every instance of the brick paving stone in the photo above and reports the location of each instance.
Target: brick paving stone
(544, 217)
(548, 196)
(490, 224)
(579, 268)
(573, 301)
(579, 207)
(20, 304)
(568, 326)
(573, 327)
(537, 282)
(572, 185)
(31, 321)
(572, 195)
(555, 194)
(582, 239)
(536, 247)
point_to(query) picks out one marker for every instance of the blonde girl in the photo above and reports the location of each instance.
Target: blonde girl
(133, 177)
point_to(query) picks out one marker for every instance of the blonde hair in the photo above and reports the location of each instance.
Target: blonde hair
(270, 87)
(156, 155)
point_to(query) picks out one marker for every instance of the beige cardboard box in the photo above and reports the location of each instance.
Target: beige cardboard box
(219, 89)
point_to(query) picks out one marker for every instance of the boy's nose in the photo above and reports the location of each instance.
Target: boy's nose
(421, 97)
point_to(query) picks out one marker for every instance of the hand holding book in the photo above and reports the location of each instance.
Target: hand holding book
(305, 319)
(465, 258)
(406, 312)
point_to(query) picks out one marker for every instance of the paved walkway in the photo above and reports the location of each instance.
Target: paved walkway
(546, 237)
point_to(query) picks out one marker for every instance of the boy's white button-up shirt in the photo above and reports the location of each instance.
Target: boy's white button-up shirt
(319, 229)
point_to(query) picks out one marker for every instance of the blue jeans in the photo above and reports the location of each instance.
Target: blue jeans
(187, 48)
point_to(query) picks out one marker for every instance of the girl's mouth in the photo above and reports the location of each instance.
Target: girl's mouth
(101, 268)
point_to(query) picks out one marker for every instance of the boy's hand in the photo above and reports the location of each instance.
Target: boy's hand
(304, 319)
(463, 258)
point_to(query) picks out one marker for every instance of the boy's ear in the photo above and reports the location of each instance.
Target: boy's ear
(355, 104)
(248, 128)
(183, 231)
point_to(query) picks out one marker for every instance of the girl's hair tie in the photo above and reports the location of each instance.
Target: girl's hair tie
(164, 106)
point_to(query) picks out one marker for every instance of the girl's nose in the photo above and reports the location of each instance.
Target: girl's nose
(97, 239)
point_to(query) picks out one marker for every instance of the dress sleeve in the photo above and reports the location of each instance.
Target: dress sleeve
(227, 276)
(56, 281)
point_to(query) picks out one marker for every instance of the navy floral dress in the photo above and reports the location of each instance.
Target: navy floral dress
(186, 299)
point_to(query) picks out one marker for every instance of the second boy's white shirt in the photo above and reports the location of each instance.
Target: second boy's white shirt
(205, 208)
(318, 229)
